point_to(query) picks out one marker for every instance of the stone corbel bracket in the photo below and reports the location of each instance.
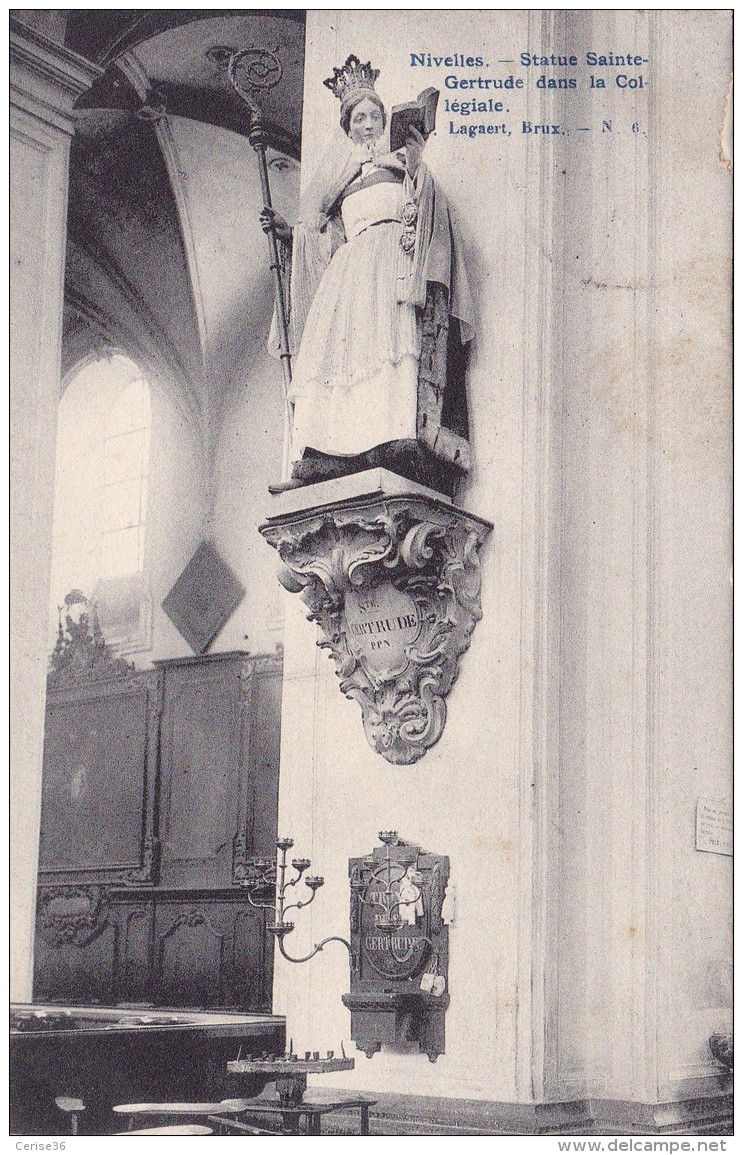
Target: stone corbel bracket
(393, 580)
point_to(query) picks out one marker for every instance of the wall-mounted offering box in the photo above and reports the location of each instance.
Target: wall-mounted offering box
(400, 947)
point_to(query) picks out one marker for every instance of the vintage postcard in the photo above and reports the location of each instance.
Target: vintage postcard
(371, 576)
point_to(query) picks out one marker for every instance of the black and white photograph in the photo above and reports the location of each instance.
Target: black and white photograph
(371, 576)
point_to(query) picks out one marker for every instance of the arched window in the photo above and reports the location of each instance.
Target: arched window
(101, 495)
(126, 462)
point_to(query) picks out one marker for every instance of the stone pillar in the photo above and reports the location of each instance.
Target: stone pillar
(45, 81)
(589, 941)
(637, 920)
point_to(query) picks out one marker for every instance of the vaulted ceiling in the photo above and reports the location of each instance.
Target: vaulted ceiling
(181, 56)
(165, 255)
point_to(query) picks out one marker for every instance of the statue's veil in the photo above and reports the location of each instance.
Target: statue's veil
(318, 233)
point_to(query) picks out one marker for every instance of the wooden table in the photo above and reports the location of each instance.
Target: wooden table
(292, 1100)
(313, 1107)
(109, 1055)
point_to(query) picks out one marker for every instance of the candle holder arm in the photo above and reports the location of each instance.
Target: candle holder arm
(316, 949)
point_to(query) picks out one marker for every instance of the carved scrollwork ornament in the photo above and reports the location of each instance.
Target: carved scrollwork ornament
(395, 588)
(81, 653)
(147, 873)
(72, 915)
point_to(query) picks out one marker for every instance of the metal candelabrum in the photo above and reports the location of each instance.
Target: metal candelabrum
(269, 877)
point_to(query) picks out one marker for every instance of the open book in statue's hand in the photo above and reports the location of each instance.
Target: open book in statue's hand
(419, 113)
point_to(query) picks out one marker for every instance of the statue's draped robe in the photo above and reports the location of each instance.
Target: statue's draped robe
(356, 300)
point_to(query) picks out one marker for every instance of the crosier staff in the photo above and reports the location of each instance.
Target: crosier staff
(262, 71)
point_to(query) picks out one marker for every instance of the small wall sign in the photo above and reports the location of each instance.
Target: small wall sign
(714, 826)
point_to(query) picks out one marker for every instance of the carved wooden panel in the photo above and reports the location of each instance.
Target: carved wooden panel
(193, 949)
(249, 980)
(73, 915)
(133, 961)
(262, 682)
(211, 953)
(180, 933)
(74, 946)
(201, 757)
(98, 783)
(189, 956)
(219, 759)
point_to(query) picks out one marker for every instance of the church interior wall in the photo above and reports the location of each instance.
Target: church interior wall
(471, 796)
(568, 699)
(693, 519)
(218, 428)
(249, 459)
(644, 548)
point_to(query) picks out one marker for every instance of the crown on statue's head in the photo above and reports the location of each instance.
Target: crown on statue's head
(352, 77)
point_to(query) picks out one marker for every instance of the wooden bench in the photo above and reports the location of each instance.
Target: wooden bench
(175, 1129)
(210, 1111)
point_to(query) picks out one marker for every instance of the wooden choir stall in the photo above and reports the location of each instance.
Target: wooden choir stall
(159, 787)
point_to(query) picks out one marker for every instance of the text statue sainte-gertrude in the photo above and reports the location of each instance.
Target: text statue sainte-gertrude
(379, 306)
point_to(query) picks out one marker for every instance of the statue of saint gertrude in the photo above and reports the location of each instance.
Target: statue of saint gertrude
(379, 306)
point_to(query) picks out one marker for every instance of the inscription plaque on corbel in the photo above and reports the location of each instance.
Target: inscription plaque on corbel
(393, 581)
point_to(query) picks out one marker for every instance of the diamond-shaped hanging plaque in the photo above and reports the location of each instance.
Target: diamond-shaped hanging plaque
(203, 598)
